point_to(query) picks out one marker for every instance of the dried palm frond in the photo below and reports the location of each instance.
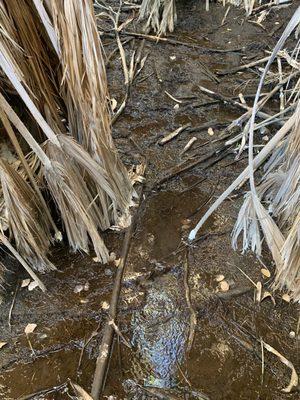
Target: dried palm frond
(160, 15)
(68, 189)
(279, 189)
(27, 223)
(85, 84)
(64, 88)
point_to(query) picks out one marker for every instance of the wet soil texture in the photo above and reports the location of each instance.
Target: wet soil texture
(225, 362)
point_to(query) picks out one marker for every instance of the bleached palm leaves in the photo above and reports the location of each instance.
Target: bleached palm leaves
(279, 190)
(53, 60)
(160, 15)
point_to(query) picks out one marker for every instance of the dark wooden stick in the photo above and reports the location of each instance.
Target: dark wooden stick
(108, 335)
(156, 39)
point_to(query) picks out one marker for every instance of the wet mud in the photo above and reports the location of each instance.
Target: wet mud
(225, 362)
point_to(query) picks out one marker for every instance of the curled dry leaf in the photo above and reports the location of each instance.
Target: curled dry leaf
(294, 377)
(30, 328)
(224, 286)
(267, 295)
(266, 273)
(2, 344)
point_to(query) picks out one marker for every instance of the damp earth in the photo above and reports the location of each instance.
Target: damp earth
(225, 361)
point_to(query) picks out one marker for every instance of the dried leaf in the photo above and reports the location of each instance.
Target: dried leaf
(25, 283)
(294, 377)
(224, 286)
(266, 295)
(80, 392)
(2, 344)
(265, 272)
(286, 297)
(32, 285)
(30, 328)
(219, 278)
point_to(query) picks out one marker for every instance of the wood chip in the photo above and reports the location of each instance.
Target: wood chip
(30, 328)
(189, 145)
(258, 292)
(266, 273)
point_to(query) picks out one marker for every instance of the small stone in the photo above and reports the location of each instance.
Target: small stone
(86, 286)
(292, 335)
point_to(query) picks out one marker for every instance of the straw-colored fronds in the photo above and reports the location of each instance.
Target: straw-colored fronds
(271, 210)
(52, 59)
(160, 15)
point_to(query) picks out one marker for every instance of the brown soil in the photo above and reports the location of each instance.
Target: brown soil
(225, 362)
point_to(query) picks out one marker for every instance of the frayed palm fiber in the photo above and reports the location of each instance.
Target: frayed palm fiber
(53, 60)
(160, 15)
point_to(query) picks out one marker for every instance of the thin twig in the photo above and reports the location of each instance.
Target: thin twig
(12, 305)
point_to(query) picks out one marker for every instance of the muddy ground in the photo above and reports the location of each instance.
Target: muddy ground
(225, 360)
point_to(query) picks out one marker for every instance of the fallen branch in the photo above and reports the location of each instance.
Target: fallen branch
(109, 331)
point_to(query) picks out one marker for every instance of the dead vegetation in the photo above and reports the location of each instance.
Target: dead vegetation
(52, 62)
(52, 59)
